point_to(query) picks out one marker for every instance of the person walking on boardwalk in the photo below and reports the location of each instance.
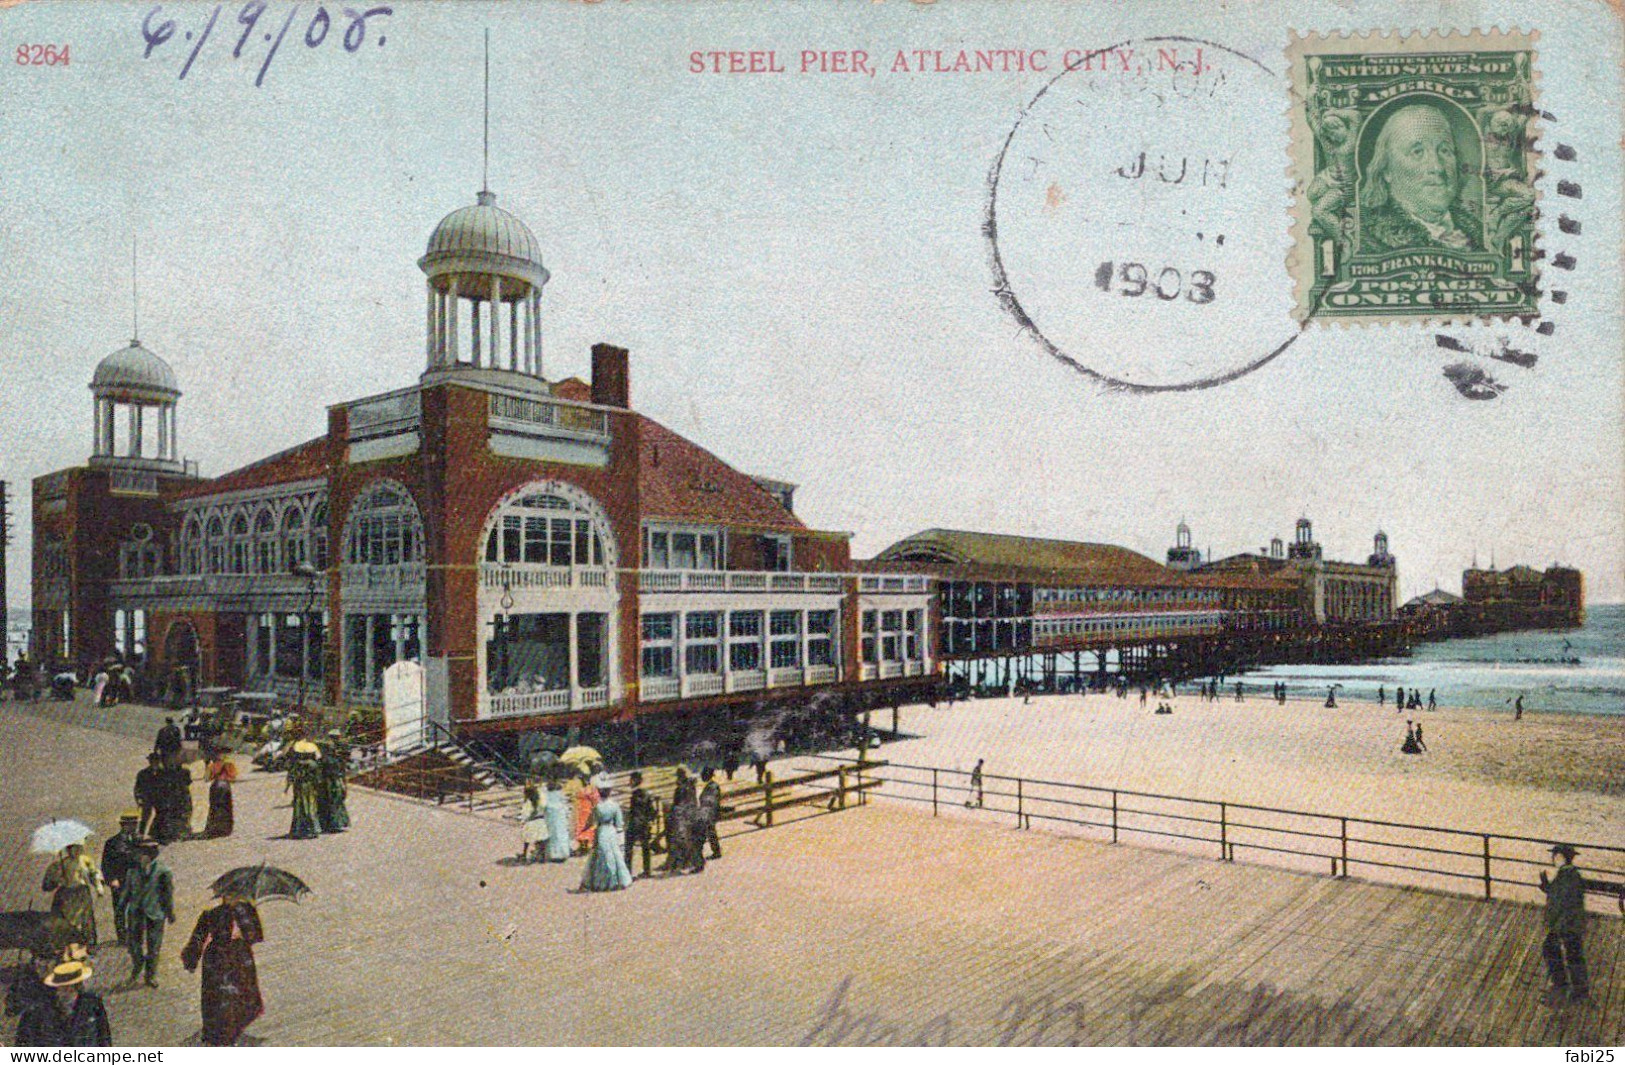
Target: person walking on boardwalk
(221, 773)
(606, 867)
(148, 791)
(332, 805)
(223, 940)
(74, 882)
(532, 824)
(585, 802)
(640, 821)
(305, 781)
(559, 829)
(119, 857)
(72, 1016)
(710, 810)
(149, 904)
(685, 851)
(174, 818)
(1564, 949)
(976, 783)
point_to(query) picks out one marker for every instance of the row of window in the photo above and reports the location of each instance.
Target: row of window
(1139, 625)
(1126, 595)
(893, 636)
(699, 639)
(961, 636)
(221, 545)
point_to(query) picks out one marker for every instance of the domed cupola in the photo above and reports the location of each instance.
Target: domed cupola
(131, 385)
(488, 258)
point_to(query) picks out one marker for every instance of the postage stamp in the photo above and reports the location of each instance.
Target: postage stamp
(1413, 167)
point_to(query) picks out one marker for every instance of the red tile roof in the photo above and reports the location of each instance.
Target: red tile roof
(299, 463)
(680, 481)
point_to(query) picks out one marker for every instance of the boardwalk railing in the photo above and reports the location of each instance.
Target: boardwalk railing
(1484, 863)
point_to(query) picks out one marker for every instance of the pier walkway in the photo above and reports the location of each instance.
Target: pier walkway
(876, 925)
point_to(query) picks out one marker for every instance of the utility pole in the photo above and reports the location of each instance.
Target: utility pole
(5, 549)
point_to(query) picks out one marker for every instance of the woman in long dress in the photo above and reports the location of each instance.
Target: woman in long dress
(559, 827)
(684, 842)
(532, 825)
(221, 774)
(75, 881)
(606, 868)
(224, 942)
(305, 778)
(586, 800)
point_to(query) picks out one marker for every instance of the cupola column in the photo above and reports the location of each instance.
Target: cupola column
(451, 353)
(496, 321)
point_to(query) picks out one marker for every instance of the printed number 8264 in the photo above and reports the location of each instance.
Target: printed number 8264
(42, 55)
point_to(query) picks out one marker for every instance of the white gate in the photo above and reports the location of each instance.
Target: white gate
(405, 723)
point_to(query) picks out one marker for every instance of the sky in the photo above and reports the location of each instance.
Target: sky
(798, 263)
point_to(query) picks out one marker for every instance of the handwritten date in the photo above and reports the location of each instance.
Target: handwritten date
(157, 31)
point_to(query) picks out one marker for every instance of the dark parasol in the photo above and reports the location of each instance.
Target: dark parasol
(259, 882)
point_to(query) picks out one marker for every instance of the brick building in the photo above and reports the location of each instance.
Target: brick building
(548, 555)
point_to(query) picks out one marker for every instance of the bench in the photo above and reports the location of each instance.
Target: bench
(1615, 888)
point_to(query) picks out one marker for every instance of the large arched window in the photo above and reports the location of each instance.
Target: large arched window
(265, 543)
(192, 546)
(217, 545)
(294, 544)
(239, 542)
(384, 528)
(545, 529)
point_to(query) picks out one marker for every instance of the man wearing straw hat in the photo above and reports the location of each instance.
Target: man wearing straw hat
(1565, 926)
(72, 1017)
(148, 904)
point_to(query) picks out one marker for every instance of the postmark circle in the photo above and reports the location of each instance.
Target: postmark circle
(1137, 215)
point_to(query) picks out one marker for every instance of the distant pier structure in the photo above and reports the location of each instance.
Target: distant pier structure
(1496, 600)
(1045, 614)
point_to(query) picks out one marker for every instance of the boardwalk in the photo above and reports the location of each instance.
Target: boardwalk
(874, 925)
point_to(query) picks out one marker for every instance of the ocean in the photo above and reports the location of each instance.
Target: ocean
(1490, 671)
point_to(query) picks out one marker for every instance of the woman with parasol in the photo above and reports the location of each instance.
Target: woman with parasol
(73, 878)
(223, 942)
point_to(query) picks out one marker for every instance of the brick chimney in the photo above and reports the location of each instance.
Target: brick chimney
(611, 377)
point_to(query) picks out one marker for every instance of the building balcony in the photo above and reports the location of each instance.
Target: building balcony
(893, 584)
(888, 670)
(656, 581)
(214, 586)
(535, 704)
(510, 577)
(407, 576)
(699, 686)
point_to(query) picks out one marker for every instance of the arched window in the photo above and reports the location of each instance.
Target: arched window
(384, 528)
(545, 529)
(265, 544)
(318, 535)
(217, 545)
(239, 543)
(192, 546)
(294, 544)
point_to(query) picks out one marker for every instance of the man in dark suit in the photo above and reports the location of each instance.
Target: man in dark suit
(711, 809)
(1410, 196)
(640, 820)
(148, 906)
(169, 740)
(119, 858)
(1564, 949)
(149, 790)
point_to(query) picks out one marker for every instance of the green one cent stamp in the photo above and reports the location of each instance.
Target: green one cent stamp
(1414, 177)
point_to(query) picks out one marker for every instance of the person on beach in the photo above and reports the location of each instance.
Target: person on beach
(223, 941)
(1382, 695)
(1238, 691)
(71, 1017)
(119, 857)
(640, 822)
(1563, 947)
(1433, 702)
(976, 783)
(1419, 741)
(1517, 709)
(532, 825)
(221, 773)
(1410, 746)
(606, 867)
(1331, 697)
(148, 905)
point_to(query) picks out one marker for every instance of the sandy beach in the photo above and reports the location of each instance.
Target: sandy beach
(1548, 775)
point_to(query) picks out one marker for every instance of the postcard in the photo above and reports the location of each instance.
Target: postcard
(639, 523)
